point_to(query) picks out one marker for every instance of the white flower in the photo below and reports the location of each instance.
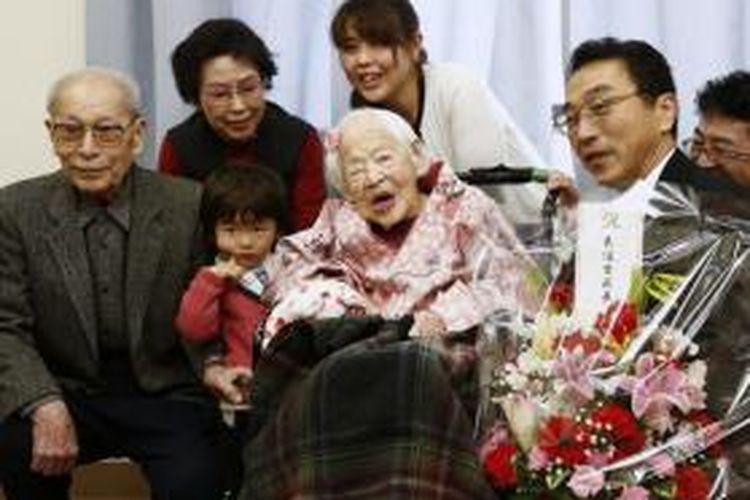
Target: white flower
(523, 420)
(696, 373)
(516, 380)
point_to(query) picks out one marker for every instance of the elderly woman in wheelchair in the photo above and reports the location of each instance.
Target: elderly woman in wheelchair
(367, 382)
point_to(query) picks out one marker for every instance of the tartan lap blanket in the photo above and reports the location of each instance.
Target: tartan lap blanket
(351, 408)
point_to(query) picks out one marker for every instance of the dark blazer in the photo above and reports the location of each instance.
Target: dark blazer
(725, 337)
(48, 340)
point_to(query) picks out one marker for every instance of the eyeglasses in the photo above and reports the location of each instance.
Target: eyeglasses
(105, 135)
(716, 152)
(249, 90)
(565, 117)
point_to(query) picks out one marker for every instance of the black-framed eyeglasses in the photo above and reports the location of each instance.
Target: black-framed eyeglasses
(566, 117)
(106, 135)
(696, 148)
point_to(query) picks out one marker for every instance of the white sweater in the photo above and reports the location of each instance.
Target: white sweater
(464, 124)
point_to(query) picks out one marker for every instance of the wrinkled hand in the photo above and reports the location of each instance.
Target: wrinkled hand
(228, 383)
(54, 439)
(560, 182)
(228, 269)
(429, 324)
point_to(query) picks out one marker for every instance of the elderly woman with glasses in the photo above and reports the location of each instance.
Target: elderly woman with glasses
(224, 69)
(346, 402)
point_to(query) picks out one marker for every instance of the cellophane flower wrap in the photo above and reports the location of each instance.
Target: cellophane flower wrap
(621, 407)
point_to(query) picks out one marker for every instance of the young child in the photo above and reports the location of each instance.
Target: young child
(243, 212)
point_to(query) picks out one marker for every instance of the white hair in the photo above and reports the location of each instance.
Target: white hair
(389, 121)
(128, 86)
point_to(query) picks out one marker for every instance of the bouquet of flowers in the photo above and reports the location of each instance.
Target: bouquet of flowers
(618, 408)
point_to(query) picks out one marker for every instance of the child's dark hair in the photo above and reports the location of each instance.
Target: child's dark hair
(247, 190)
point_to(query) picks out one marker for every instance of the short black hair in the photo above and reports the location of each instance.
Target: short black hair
(728, 96)
(646, 66)
(215, 38)
(382, 22)
(245, 190)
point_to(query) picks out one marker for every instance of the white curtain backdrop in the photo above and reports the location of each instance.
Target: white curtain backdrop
(518, 46)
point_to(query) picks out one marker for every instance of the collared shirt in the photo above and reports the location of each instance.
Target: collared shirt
(106, 230)
(636, 196)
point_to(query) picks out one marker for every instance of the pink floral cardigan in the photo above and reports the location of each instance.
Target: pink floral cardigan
(461, 260)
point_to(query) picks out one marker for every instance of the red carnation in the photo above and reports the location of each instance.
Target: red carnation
(499, 465)
(692, 483)
(562, 438)
(621, 427)
(589, 343)
(623, 326)
(561, 297)
(702, 418)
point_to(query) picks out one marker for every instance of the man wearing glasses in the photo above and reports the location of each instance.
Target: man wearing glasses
(620, 117)
(93, 262)
(721, 141)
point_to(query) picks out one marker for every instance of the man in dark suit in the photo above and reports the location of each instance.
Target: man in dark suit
(620, 117)
(93, 262)
(721, 145)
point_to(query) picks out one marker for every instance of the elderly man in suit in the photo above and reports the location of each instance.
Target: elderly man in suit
(93, 262)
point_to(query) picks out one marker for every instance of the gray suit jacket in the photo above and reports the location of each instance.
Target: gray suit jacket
(48, 338)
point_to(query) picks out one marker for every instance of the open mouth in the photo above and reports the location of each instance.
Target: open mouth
(383, 202)
(369, 81)
(595, 157)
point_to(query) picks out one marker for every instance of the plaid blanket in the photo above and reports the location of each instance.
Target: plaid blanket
(352, 409)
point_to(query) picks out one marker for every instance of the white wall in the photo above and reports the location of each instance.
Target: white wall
(39, 41)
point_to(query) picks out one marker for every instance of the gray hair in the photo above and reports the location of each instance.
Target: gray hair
(387, 120)
(125, 83)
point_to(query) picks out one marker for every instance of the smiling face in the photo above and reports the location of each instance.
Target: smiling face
(232, 97)
(617, 134)
(95, 135)
(382, 74)
(379, 174)
(724, 143)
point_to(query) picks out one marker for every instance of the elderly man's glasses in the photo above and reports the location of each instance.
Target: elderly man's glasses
(697, 147)
(566, 117)
(106, 135)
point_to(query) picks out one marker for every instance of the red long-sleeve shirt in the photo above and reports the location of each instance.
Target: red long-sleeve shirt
(214, 307)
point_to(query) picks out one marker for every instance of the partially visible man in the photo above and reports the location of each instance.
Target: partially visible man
(721, 144)
(93, 261)
(721, 141)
